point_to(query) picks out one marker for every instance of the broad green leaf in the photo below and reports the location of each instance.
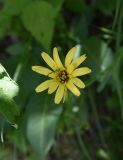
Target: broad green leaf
(15, 7)
(15, 49)
(28, 79)
(2, 72)
(56, 4)
(5, 22)
(38, 18)
(7, 85)
(8, 90)
(100, 57)
(99, 54)
(10, 8)
(8, 108)
(81, 29)
(18, 136)
(41, 123)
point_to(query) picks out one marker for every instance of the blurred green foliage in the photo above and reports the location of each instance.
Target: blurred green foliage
(8, 90)
(86, 128)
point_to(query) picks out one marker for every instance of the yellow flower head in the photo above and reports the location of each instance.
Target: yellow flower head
(62, 77)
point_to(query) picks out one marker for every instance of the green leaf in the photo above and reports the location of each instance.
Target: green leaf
(4, 153)
(7, 85)
(56, 4)
(5, 22)
(10, 8)
(38, 18)
(41, 124)
(8, 90)
(106, 6)
(14, 7)
(81, 29)
(8, 108)
(28, 79)
(100, 57)
(15, 49)
(98, 49)
(116, 77)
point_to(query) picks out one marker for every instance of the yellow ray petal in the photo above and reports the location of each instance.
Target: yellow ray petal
(41, 70)
(70, 68)
(52, 75)
(49, 60)
(59, 93)
(69, 56)
(43, 86)
(75, 63)
(81, 71)
(53, 86)
(57, 59)
(78, 82)
(78, 61)
(73, 88)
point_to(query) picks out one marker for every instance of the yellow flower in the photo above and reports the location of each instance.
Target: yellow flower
(62, 77)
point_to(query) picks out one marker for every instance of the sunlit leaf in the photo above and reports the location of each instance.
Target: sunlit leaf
(8, 108)
(41, 123)
(7, 85)
(38, 18)
(8, 90)
(100, 57)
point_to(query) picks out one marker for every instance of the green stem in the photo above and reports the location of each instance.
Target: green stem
(97, 76)
(116, 19)
(119, 28)
(82, 145)
(117, 46)
(116, 14)
(17, 72)
(23, 61)
(79, 138)
(97, 121)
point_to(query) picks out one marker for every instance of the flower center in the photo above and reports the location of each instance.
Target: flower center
(63, 76)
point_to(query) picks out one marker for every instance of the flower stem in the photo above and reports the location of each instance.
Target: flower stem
(119, 26)
(82, 145)
(99, 127)
(77, 133)
(23, 61)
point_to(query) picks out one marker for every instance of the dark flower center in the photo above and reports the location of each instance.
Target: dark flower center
(63, 76)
